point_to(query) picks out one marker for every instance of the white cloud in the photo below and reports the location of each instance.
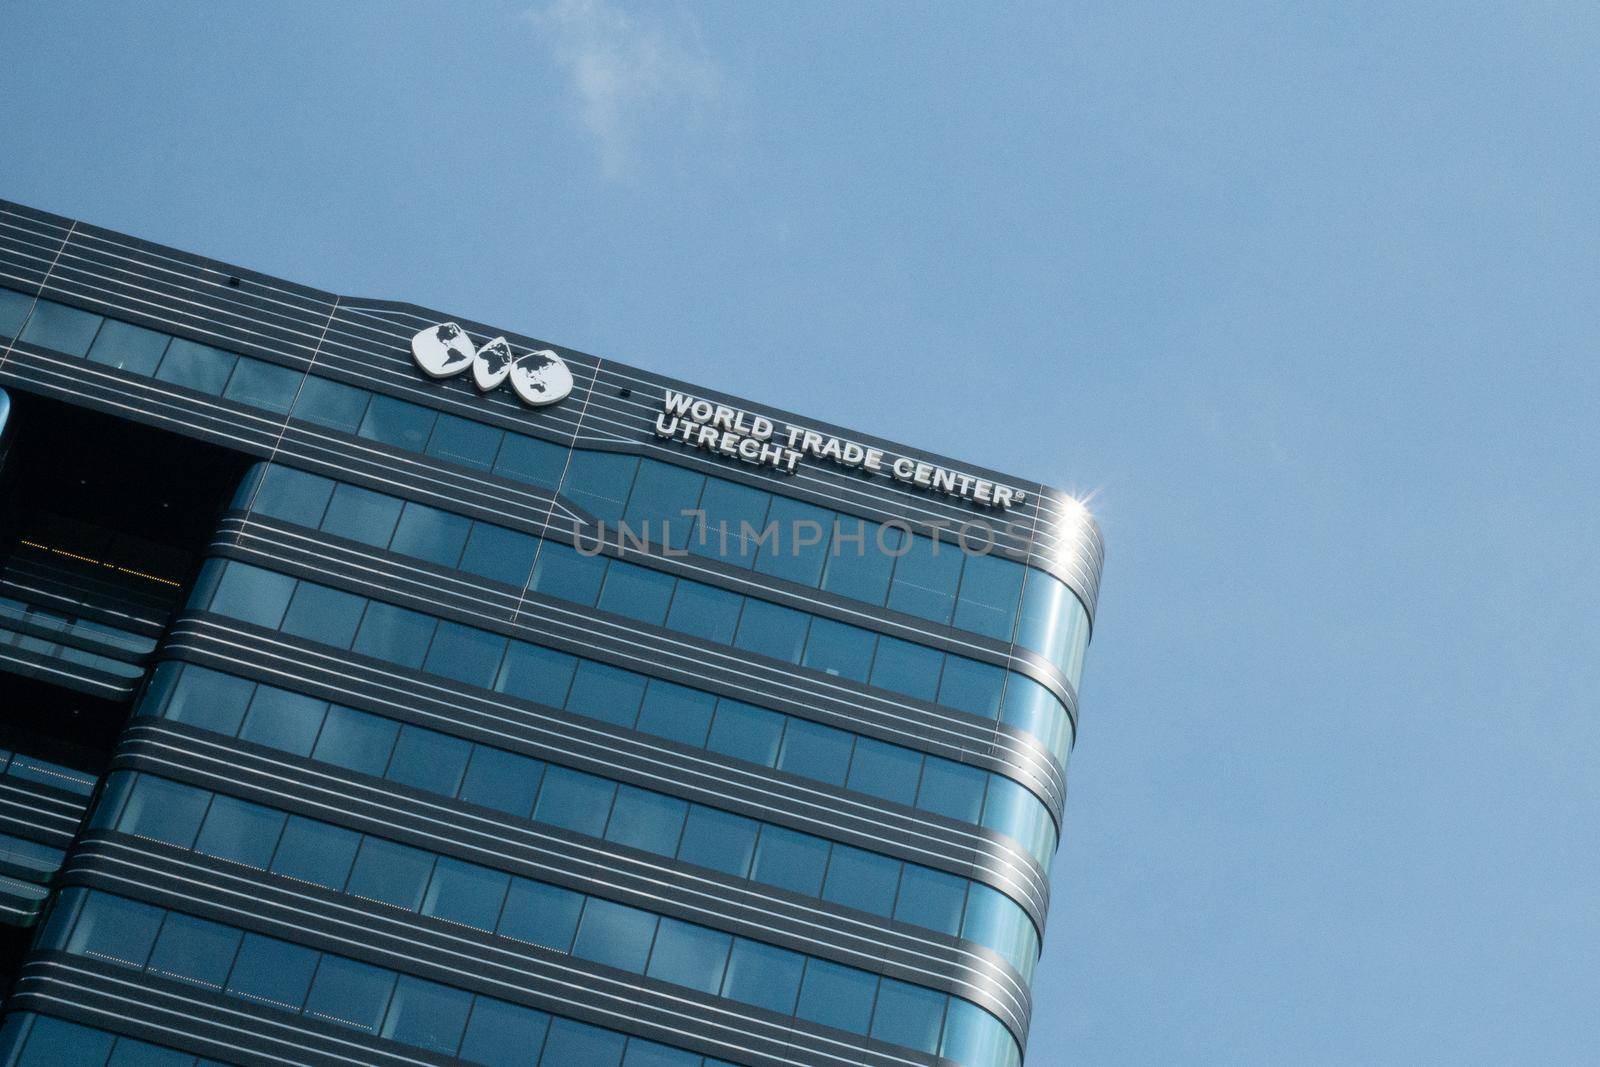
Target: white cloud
(629, 74)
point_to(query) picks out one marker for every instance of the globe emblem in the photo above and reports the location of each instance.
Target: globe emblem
(539, 378)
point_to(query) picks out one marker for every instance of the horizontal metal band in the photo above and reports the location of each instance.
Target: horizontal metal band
(40, 813)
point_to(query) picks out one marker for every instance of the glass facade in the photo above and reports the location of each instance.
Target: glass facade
(333, 791)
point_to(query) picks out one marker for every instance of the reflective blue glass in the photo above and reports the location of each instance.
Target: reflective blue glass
(429, 760)
(636, 592)
(952, 789)
(1053, 623)
(195, 950)
(574, 1043)
(350, 992)
(608, 693)
(746, 732)
(598, 482)
(398, 423)
(362, 515)
(763, 975)
(837, 996)
(538, 674)
(504, 1035)
(331, 404)
(209, 700)
(972, 1035)
(427, 1015)
(614, 935)
(720, 840)
(397, 635)
(790, 860)
(502, 780)
(730, 510)
(128, 347)
(390, 872)
(430, 534)
(272, 972)
(646, 820)
(540, 914)
(114, 929)
(771, 630)
(252, 595)
(356, 741)
(499, 554)
(195, 366)
(886, 771)
(530, 461)
(465, 893)
(14, 308)
(240, 831)
(839, 649)
(642, 1053)
(813, 750)
(801, 547)
(990, 588)
(458, 440)
(293, 496)
(65, 329)
(660, 492)
(465, 654)
(689, 955)
(327, 616)
(925, 579)
(970, 686)
(163, 810)
(263, 385)
(132, 1053)
(574, 800)
(860, 560)
(931, 899)
(283, 720)
(315, 852)
(53, 1042)
(676, 712)
(861, 879)
(908, 1015)
(704, 611)
(566, 573)
(906, 668)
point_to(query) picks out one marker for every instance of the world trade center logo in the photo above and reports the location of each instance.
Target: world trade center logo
(538, 378)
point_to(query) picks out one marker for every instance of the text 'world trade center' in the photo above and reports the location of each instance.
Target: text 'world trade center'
(382, 687)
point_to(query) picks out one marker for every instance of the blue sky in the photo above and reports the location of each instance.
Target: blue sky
(1305, 294)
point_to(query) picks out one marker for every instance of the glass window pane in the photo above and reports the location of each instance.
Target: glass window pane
(599, 482)
(790, 860)
(53, 1042)
(837, 996)
(504, 781)
(470, 444)
(720, 840)
(642, 1053)
(746, 732)
(689, 955)
(771, 630)
(704, 611)
(350, 992)
(195, 950)
(499, 554)
(165, 811)
(465, 893)
(677, 712)
(272, 972)
(356, 741)
(952, 789)
(840, 649)
(263, 385)
(574, 801)
(889, 772)
(801, 547)
(608, 693)
(637, 592)
(763, 975)
(196, 366)
(730, 509)
(541, 914)
(813, 750)
(614, 935)
(65, 329)
(14, 308)
(391, 872)
(530, 461)
(577, 1043)
(925, 579)
(465, 654)
(283, 720)
(430, 534)
(252, 595)
(428, 760)
(316, 852)
(327, 616)
(293, 496)
(504, 1035)
(427, 1015)
(990, 588)
(240, 831)
(128, 347)
(931, 899)
(331, 404)
(535, 673)
(972, 1035)
(568, 574)
(395, 635)
(903, 667)
(362, 515)
(660, 492)
(114, 929)
(970, 686)
(398, 423)
(209, 699)
(646, 820)
(908, 1015)
(861, 879)
(860, 560)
